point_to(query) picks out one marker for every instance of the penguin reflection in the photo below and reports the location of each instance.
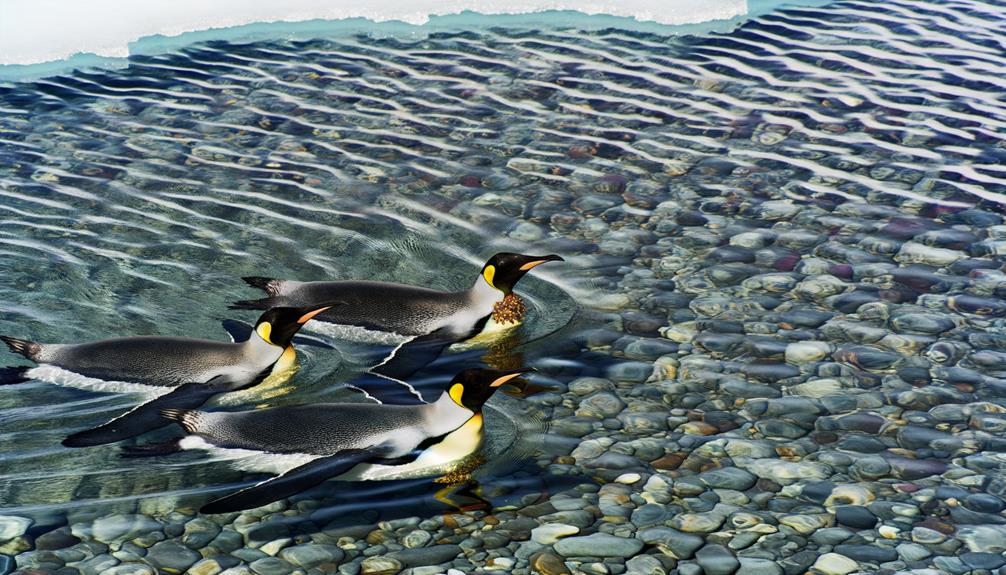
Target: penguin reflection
(195, 369)
(346, 441)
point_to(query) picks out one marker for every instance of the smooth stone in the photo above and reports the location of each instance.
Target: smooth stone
(212, 565)
(671, 542)
(757, 566)
(867, 553)
(199, 532)
(697, 522)
(548, 564)
(644, 565)
(417, 538)
(927, 536)
(649, 514)
(831, 536)
(728, 478)
(258, 534)
(551, 532)
(12, 526)
(980, 502)
(630, 371)
(56, 539)
(716, 560)
(312, 554)
(380, 566)
(983, 560)
(171, 557)
(598, 545)
(855, 516)
(912, 552)
(118, 528)
(805, 524)
(601, 405)
(787, 472)
(433, 555)
(835, 564)
(271, 566)
(983, 538)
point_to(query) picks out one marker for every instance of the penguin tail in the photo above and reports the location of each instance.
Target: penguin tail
(188, 419)
(28, 349)
(268, 285)
(12, 375)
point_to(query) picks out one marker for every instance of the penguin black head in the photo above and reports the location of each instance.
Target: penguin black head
(473, 387)
(505, 269)
(278, 325)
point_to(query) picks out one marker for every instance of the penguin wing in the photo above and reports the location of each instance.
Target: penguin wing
(241, 331)
(147, 416)
(415, 354)
(290, 483)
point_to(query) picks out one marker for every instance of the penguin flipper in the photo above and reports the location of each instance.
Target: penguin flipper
(241, 331)
(12, 375)
(414, 354)
(290, 483)
(238, 330)
(147, 416)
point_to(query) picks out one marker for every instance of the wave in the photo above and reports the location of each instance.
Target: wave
(44, 37)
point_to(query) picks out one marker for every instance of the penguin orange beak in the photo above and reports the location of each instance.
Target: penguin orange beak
(501, 380)
(537, 262)
(307, 316)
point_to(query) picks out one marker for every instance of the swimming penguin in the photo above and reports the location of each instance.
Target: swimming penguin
(431, 319)
(347, 441)
(197, 369)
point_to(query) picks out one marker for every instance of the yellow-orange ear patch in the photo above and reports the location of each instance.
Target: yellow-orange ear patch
(489, 273)
(456, 391)
(264, 330)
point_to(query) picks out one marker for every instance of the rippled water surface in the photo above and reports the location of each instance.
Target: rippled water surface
(826, 175)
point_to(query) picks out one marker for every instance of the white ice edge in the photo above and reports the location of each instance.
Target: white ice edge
(39, 31)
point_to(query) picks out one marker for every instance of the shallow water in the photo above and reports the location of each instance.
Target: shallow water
(718, 199)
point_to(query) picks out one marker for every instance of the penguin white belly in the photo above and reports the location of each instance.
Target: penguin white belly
(66, 378)
(435, 460)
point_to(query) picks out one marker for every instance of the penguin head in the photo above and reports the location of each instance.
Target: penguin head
(278, 325)
(505, 269)
(473, 387)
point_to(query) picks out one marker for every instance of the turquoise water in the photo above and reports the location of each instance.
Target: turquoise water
(783, 240)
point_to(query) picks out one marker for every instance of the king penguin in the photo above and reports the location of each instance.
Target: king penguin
(196, 369)
(346, 441)
(431, 319)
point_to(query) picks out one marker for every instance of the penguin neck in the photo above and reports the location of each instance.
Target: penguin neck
(483, 296)
(259, 350)
(445, 415)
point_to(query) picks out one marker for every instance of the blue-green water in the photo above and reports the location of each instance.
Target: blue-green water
(784, 246)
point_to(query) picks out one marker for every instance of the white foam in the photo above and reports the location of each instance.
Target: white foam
(249, 459)
(355, 334)
(37, 31)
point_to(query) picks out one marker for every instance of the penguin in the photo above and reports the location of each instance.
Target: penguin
(345, 441)
(195, 369)
(431, 320)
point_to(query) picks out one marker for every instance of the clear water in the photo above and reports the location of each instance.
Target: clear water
(132, 201)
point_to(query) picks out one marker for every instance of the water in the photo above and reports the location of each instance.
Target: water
(134, 200)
